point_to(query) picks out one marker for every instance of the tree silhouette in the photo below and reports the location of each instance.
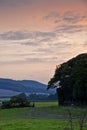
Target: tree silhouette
(71, 77)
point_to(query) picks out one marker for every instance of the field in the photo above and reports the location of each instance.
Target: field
(44, 116)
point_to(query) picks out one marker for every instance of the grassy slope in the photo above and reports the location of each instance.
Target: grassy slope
(17, 119)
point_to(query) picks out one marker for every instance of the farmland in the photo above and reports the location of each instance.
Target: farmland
(44, 116)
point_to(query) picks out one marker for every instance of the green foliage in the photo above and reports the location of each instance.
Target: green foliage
(16, 101)
(73, 80)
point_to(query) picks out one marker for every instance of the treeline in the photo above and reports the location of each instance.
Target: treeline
(17, 102)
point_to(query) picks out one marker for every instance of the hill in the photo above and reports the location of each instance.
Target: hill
(9, 87)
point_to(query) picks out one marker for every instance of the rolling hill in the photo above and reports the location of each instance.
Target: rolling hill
(9, 87)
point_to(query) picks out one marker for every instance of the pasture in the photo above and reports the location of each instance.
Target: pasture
(44, 116)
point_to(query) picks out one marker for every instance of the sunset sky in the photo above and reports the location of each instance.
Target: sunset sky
(37, 35)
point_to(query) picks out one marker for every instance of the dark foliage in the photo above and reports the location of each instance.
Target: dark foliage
(42, 97)
(73, 81)
(16, 101)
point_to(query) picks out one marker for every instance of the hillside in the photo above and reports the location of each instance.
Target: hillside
(9, 87)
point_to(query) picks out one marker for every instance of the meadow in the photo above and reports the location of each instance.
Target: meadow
(44, 116)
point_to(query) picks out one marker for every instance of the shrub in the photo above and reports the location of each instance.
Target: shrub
(16, 101)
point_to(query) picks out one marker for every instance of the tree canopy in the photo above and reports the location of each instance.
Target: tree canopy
(16, 101)
(70, 78)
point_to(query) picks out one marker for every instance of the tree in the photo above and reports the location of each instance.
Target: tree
(16, 101)
(71, 77)
(19, 101)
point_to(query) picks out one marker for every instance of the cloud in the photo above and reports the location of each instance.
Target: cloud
(73, 17)
(85, 43)
(62, 45)
(18, 35)
(22, 35)
(69, 21)
(29, 43)
(28, 59)
(34, 38)
(71, 28)
(46, 39)
(68, 16)
(15, 3)
(43, 59)
(31, 47)
(51, 15)
(20, 3)
(45, 50)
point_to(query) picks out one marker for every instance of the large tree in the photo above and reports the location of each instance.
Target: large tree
(70, 79)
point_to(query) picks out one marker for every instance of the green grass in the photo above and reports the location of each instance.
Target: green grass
(52, 107)
(32, 124)
(18, 119)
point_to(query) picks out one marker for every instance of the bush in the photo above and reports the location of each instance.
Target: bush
(16, 101)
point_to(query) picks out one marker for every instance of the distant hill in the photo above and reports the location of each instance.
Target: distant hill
(8, 93)
(9, 87)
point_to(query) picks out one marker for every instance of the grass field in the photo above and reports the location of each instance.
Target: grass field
(42, 117)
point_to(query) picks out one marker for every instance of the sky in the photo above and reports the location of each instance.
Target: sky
(37, 35)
